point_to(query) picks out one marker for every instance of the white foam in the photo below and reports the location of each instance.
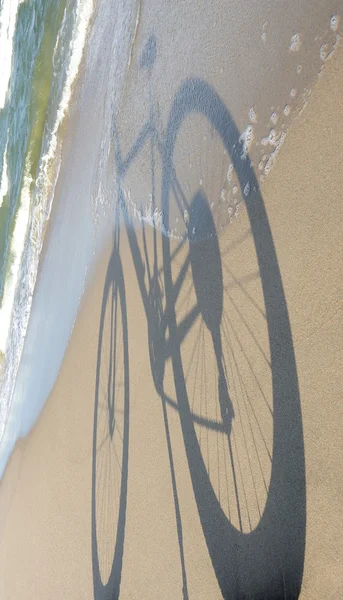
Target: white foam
(8, 20)
(324, 51)
(270, 139)
(224, 195)
(252, 115)
(151, 216)
(246, 190)
(229, 173)
(4, 185)
(16, 252)
(246, 139)
(274, 118)
(50, 162)
(272, 158)
(334, 22)
(84, 11)
(295, 43)
(327, 51)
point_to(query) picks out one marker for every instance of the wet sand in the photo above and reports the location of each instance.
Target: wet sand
(51, 493)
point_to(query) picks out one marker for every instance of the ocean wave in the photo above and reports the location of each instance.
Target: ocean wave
(50, 160)
(34, 210)
(8, 19)
(16, 251)
(12, 325)
(4, 184)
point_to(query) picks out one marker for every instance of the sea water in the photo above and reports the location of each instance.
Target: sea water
(82, 53)
(41, 46)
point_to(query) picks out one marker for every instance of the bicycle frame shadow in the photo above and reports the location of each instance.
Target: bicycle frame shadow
(268, 562)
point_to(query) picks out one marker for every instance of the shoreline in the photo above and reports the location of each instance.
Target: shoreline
(72, 200)
(66, 108)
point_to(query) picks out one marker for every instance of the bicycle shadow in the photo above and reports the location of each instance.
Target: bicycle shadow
(253, 557)
(110, 435)
(266, 559)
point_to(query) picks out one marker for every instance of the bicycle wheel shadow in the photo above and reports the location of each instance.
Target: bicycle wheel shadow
(257, 555)
(110, 436)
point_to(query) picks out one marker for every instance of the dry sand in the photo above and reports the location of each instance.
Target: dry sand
(46, 492)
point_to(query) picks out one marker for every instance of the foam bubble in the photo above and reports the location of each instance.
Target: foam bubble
(229, 173)
(299, 69)
(293, 93)
(295, 43)
(324, 51)
(274, 118)
(334, 22)
(271, 160)
(224, 195)
(246, 139)
(252, 115)
(246, 190)
(287, 110)
(271, 139)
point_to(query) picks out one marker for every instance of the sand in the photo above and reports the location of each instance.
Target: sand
(180, 540)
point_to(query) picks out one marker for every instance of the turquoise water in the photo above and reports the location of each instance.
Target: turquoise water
(41, 45)
(22, 117)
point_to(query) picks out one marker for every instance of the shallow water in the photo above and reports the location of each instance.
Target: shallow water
(42, 41)
(64, 265)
